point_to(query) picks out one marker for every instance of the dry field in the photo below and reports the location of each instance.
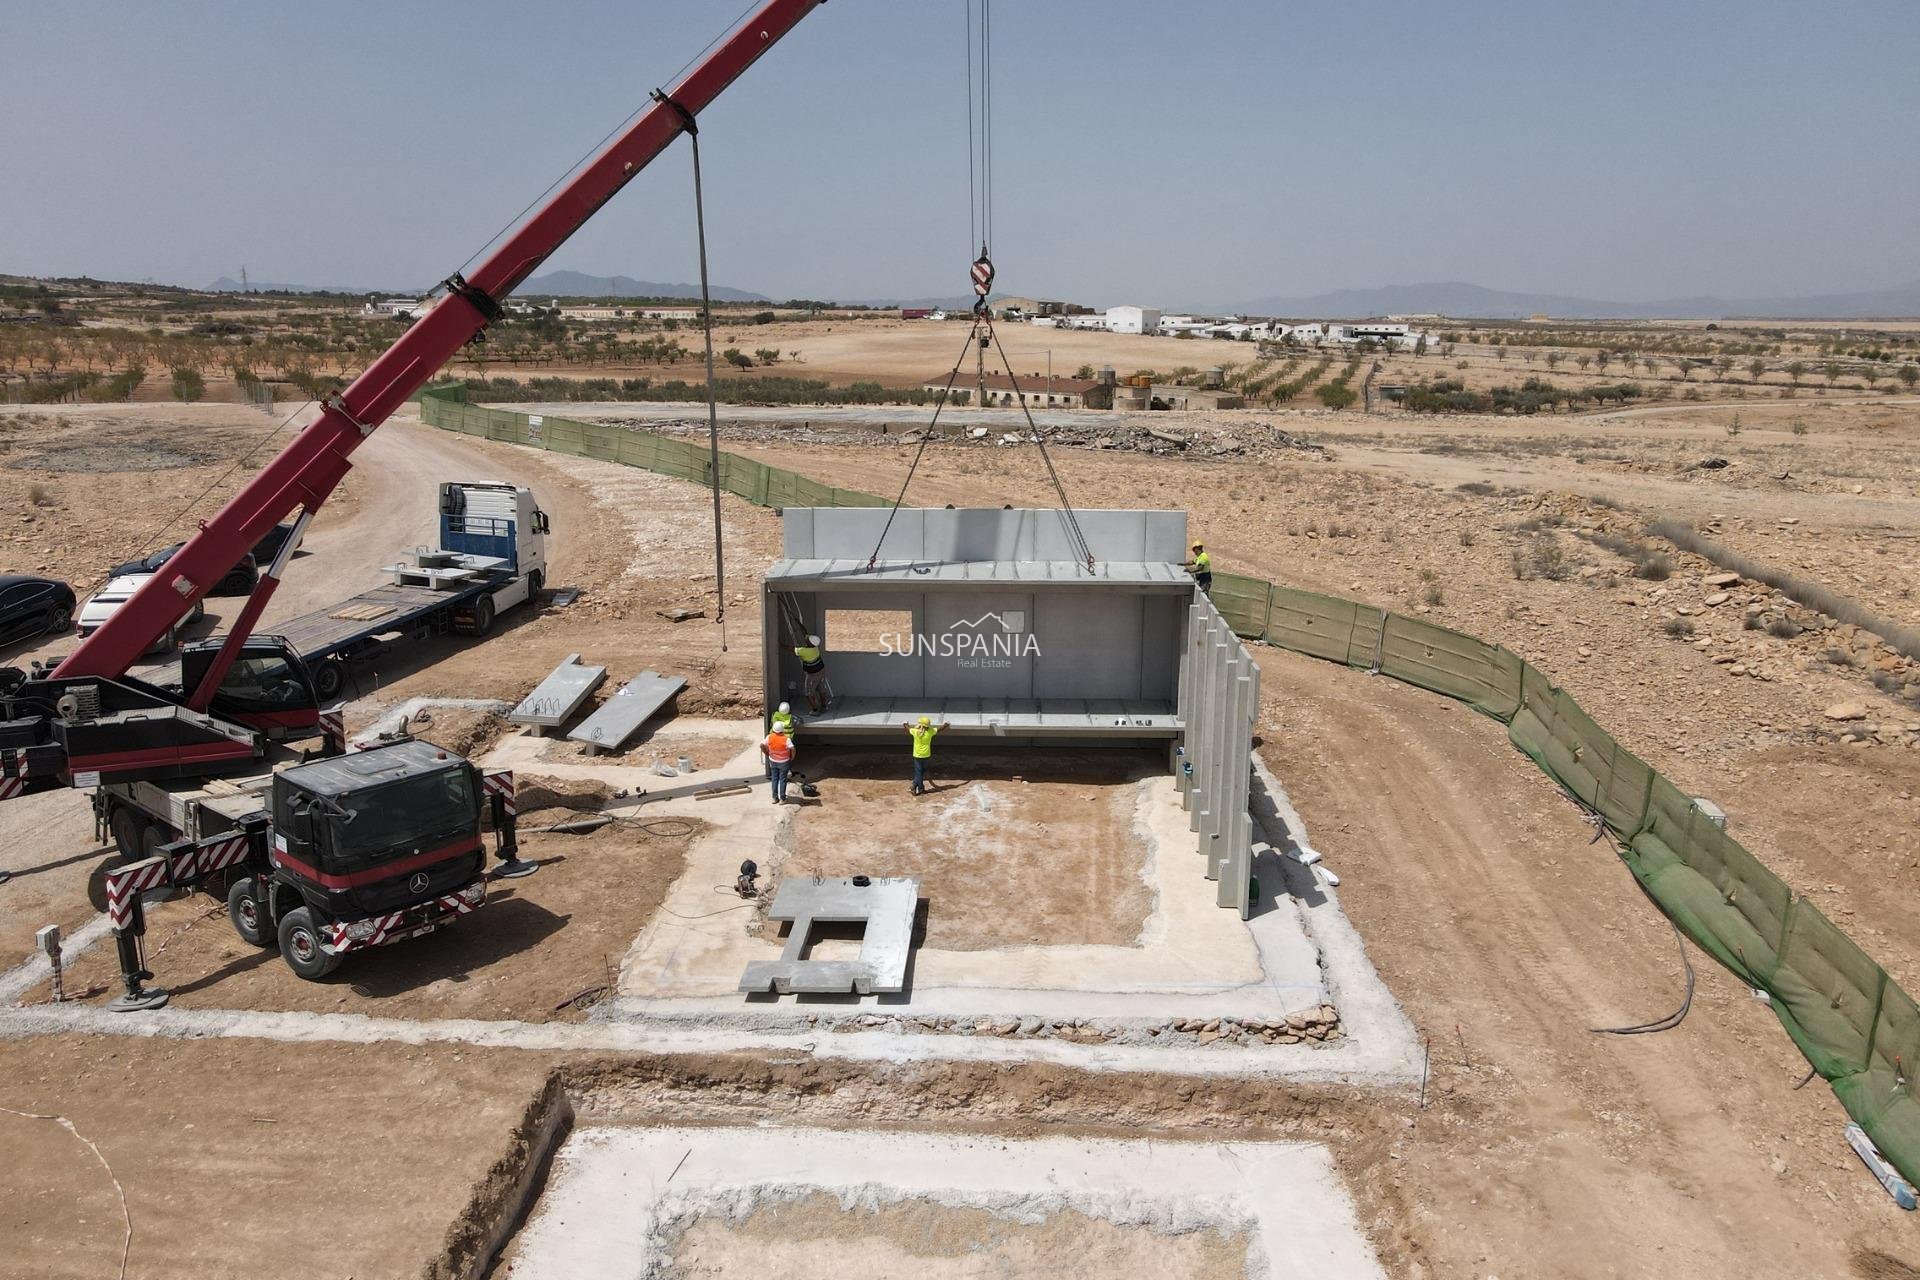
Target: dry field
(1543, 1149)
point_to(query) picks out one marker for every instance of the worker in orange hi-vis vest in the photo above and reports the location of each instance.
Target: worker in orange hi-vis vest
(778, 750)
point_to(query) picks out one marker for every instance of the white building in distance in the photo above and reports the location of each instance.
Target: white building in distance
(1133, 320)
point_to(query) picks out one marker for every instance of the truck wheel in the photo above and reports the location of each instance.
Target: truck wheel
(536, 580)
(300, 946)
(129, 833)
(155, 835)
(248, 912)
(329, 678)
(482, 616)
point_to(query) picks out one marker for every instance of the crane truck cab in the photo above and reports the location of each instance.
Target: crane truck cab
(365, 849)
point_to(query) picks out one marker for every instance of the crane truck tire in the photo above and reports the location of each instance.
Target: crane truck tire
(248, 913)
(536, 580)
(300, 946)
(129, 833)
(329, 678)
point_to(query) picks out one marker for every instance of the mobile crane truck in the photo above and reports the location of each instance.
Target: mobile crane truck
(350, 849)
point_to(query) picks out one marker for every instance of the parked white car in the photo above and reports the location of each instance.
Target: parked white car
(101, 605)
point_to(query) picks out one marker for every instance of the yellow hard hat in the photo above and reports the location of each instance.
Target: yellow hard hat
(925, 720)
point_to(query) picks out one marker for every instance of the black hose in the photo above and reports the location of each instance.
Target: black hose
(1671, 1020)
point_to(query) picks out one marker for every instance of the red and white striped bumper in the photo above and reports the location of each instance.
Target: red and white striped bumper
(377, 931)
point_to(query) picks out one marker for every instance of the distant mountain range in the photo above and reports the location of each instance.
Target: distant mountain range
(1447, 298)
(1453, 298)
(227, 284)
(576, 284)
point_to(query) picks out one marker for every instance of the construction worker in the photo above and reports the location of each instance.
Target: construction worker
(1201, 567)
(777, 750)
(783, 721)
(922, 735)
(813, 665)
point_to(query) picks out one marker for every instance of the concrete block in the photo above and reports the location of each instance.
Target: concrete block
(885, 906)
(631, 706)
(561, 694)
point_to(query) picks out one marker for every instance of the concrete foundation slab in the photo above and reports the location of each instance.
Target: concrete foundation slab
(884, 906)
(618, 1199)
(632, 705)
(555, 699)
(1188, 961)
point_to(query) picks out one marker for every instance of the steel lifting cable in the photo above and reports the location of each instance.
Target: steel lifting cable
(913, 466)
(1033, 433)
(713, 402)
(980, 219)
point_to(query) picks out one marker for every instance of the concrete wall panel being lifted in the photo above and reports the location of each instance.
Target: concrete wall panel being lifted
(947, 536)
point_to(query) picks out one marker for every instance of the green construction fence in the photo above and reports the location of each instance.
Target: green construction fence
(1855, 1025)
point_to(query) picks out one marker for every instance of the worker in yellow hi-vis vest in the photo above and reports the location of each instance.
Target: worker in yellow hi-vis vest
(922, 735)
(1201, 567)
(813, 668)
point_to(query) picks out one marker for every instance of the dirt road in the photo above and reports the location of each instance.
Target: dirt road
(1548, 1149)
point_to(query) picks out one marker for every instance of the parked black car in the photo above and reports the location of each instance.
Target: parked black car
(268, 547)
(239, 580)
(32, 607)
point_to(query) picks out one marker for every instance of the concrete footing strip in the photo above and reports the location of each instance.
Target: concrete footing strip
(1353, 1061)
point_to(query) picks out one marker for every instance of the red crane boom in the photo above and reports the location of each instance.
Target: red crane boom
(313, 463)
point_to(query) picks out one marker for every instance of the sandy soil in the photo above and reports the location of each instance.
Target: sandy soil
(1507, 935)
(813, 1238)
(538, 942)
(1013, 850)
(222, 1147)
(1544, 1148)
(912, 352)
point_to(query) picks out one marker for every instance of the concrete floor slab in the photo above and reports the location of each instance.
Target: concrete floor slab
(1379, 1047)
(1191, 959)
(617, 1197)
(885, 906)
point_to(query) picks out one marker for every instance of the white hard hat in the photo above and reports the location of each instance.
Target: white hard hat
(785, 709)
(813, 639)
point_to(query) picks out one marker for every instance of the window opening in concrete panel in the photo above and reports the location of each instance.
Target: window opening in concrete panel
(868, 631)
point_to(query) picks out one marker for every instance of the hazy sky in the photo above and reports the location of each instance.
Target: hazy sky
(1177, 153)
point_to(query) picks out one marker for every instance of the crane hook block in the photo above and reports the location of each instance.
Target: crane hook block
(982, 281)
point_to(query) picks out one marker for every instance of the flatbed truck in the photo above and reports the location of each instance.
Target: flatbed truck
(491, 558)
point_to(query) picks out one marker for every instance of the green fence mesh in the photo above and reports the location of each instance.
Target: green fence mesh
(1857, 1027)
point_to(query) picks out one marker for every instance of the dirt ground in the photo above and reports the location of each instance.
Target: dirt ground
(1545, 1149)
(813, 1238)
(1507, 934)
(1010, 850)
(538, 942)
(222, 1147)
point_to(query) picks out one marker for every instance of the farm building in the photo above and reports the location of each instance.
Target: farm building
(1133, 319)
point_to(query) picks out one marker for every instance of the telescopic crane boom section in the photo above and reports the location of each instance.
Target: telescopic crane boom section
(314, 462)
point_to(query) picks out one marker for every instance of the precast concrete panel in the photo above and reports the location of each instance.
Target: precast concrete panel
(980, 534)
(1162, 621)
(1090, 645)
(980, 645)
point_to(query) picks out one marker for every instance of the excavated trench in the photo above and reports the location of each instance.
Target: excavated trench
(601, 1130)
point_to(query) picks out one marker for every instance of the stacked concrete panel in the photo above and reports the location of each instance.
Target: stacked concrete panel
(1219, 701)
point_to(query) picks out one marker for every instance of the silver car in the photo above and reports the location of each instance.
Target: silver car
(103, 603)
